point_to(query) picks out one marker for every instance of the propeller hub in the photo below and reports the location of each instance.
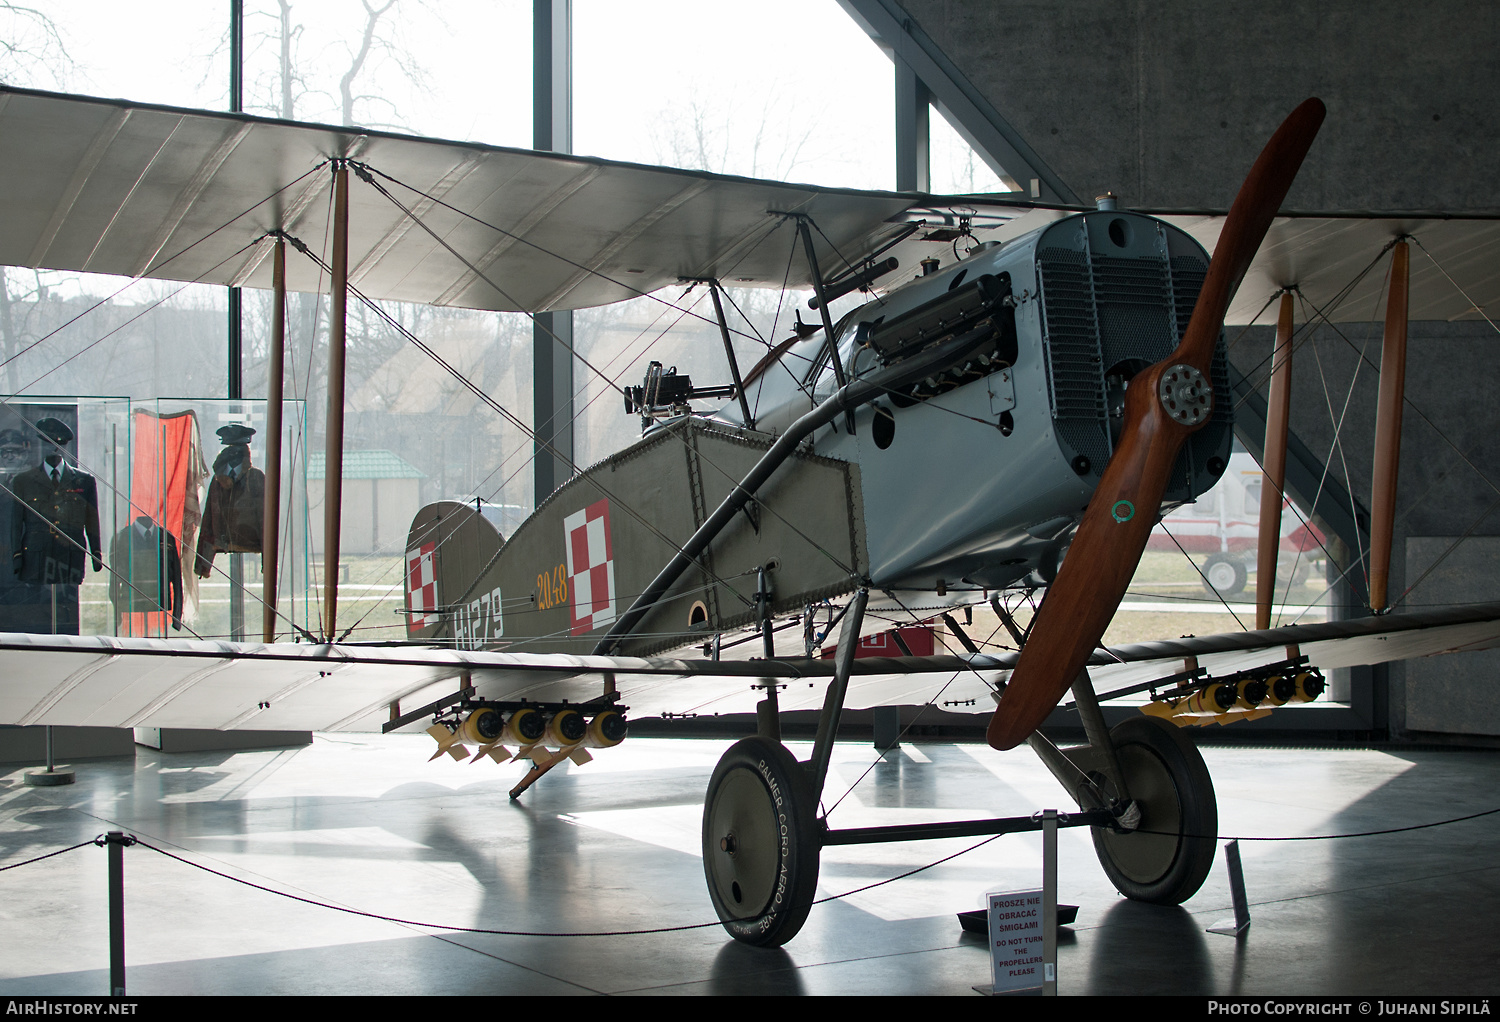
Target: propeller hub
(1186, 395)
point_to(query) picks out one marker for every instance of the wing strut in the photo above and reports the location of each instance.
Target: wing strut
(1278, 408)
(1388, 430)
(831, 345)
(271, 517)
(333, 471)
(734, 365)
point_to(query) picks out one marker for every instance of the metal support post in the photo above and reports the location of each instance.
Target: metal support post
(887, 722)
(913, 120)
(116, 841)
(552, 332)
(49, 777)
(1098, 734)
(833, 701)
(1049, 903)
(767, 711)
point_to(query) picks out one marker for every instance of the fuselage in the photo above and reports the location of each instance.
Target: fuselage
(983, 400)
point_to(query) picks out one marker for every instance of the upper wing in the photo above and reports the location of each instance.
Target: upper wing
(102, 681)
(1329, 257)
(110, 187)
(106, 186)
(1326, 257)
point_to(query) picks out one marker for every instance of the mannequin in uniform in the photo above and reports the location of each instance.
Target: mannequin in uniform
(145, 578)
(55, 527)
(23, 607)
(235, 510)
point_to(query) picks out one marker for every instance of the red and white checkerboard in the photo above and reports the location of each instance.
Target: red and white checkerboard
(591, 567)
(421, 586)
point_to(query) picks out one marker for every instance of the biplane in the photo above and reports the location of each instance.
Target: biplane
(1016, 420)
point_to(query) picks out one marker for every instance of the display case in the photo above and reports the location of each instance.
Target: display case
(190, 556)
(64, 489)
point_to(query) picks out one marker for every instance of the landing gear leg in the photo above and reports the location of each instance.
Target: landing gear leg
(762, 838)
(1167, 857)
(1151, 776)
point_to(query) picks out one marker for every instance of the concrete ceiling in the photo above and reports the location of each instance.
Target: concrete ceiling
(1167, 103)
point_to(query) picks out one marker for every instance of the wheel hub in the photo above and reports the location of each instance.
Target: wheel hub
(744, 871)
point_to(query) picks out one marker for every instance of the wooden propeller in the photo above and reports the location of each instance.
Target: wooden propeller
(1163, 406)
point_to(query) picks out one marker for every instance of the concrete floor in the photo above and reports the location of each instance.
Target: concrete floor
(366, 823)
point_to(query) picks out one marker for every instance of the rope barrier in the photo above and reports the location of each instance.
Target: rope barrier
(132, 839)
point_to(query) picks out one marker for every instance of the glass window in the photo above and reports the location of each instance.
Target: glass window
(956, 169)
(786, 89)
(1252, 497)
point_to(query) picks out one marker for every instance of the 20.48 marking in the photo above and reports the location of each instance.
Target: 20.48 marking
(552, 588)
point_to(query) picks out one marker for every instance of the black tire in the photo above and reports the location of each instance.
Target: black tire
(1223, 576)
(1167, 858)
(761, 842)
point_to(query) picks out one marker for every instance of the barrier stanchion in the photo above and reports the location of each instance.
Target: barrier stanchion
(116, 841)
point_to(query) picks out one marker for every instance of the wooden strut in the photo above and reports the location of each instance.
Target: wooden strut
(333, 471)
(271, 518)
(1278, 410)
(1388, 430)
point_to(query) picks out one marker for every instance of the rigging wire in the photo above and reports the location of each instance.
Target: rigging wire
(513, 419)
(506, 413)
(436, 200)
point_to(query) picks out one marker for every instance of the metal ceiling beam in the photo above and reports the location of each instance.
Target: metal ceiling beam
(552, 332)
(913, 134)
(972, 116)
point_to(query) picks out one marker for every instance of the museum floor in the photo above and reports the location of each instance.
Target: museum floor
(366, 823)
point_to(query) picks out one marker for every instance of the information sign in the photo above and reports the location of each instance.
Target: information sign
(1016, 940)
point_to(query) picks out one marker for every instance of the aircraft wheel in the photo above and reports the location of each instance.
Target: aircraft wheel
(761, 842)
(1167, 858)
(1223, 576)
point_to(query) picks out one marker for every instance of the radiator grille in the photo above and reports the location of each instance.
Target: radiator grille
(1099, 311)
(1075, 370)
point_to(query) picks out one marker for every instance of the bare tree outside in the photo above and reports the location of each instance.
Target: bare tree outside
(33, 52)
(360, 66)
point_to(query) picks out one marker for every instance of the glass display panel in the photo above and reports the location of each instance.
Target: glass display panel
(61, 496)
(197, 523)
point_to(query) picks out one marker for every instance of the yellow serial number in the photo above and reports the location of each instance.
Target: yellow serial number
(552, 587)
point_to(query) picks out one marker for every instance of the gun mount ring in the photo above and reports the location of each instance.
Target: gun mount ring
(1186, 395)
